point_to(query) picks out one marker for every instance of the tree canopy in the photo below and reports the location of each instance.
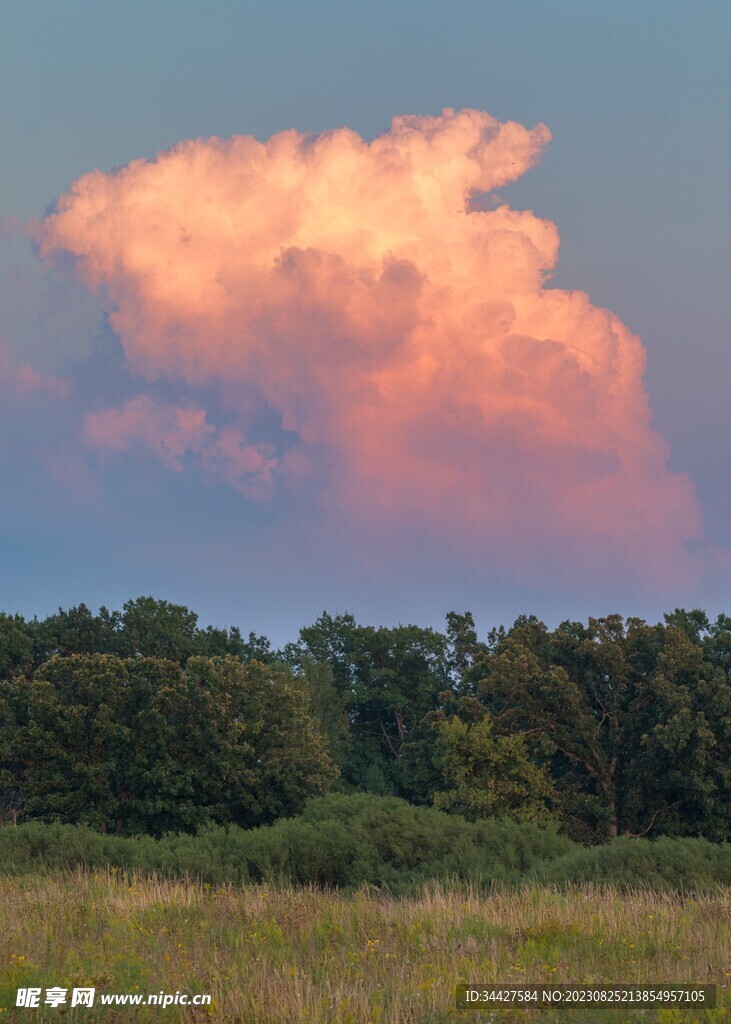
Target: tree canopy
(147, 745)
(143, 720)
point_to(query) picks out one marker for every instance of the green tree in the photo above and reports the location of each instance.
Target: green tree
(327, 706)
(70, 736)
(263, 754)
(465, 652)
(151, 628)
(684, 752)
(75, 631)
(388, 679)
(218, 643)
(630, 715)
(484, 774)
(13, 721)
(16, 646)
(717, 644)
(147, 745)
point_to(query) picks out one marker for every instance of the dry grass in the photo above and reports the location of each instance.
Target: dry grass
(272, 956)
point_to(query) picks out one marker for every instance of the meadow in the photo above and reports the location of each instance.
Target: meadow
(292, 953)
(345, 831)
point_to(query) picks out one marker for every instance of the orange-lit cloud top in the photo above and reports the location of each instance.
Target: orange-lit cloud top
(349, 287)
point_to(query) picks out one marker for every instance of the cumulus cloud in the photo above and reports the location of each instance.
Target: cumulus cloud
(404, 339)
(23, 381)
(171, 433)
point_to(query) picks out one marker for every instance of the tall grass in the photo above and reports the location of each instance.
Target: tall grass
(272, 955)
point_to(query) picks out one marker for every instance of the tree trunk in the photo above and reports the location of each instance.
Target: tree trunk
(613, 830)
(609, 791)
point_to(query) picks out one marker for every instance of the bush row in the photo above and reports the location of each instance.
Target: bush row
(346, 841)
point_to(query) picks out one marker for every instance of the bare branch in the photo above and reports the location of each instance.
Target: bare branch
(393, 750)
(653, 819)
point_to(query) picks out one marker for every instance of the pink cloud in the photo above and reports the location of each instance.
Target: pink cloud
(170, 433)
(24, 381)
(356, 291)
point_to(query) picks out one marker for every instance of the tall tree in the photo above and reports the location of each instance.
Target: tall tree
(146, 745)
(151, 628)
(16, 646)
(625, 712)
(465, 651)
(389, 680)
(75, 631)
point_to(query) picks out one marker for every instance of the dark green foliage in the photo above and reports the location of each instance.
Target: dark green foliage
(158, 629)
(75, 631)
(16, 646)
(139, 719)
(145, 628)
(635, 720)
(144, 745)
(348, 840)
(326, 704)
(464, 650)
(338, 840)
(665, 863)
(387, 681)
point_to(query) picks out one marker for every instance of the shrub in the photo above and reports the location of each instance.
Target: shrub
(664, 863)
(346, 841)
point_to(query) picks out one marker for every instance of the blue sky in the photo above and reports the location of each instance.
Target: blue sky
(637, 99)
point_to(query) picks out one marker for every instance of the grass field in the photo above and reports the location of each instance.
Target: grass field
(272, 956)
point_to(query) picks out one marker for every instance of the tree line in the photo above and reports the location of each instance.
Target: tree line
(141, 721)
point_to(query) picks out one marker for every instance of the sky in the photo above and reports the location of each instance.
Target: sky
(388, 309)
